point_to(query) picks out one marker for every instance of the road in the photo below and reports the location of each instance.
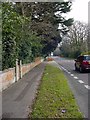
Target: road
(78, 83)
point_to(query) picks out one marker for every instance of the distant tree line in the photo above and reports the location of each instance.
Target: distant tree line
(30, 30)
(76, 40)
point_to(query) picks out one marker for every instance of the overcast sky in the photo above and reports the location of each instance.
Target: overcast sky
(80, 10)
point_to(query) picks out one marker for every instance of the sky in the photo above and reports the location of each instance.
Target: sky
(79, 10)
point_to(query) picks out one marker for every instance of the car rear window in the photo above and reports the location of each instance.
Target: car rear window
(86, 57)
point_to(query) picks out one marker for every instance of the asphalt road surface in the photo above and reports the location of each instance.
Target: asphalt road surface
(79, 84)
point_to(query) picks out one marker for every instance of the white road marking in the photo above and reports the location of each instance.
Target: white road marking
(80, 81)
(86, 86)
(72, 75)
(64, 69)
(60, 68)
(75, 77)
(69, 72)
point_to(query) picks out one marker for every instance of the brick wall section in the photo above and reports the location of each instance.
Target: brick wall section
(1, 81)
(7, 77)
(25, 69)
(28, 67)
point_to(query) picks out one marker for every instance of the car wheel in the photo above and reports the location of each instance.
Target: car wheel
(80, 69)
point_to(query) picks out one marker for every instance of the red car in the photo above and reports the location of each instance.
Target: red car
(82, 63)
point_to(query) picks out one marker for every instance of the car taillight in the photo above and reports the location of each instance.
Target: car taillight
(85, 62)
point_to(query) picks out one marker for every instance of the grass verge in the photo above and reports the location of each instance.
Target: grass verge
(54, 98)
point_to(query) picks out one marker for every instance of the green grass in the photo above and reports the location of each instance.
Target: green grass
(54, 98)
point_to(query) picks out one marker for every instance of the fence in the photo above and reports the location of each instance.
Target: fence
(11, 75)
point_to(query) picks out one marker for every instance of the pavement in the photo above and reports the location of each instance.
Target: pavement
(18, 98)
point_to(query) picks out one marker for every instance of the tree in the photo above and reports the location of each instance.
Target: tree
(17, 38)
(31, 29)
(45, 19)
(77, 40)
(9, 28)
(0, 38)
